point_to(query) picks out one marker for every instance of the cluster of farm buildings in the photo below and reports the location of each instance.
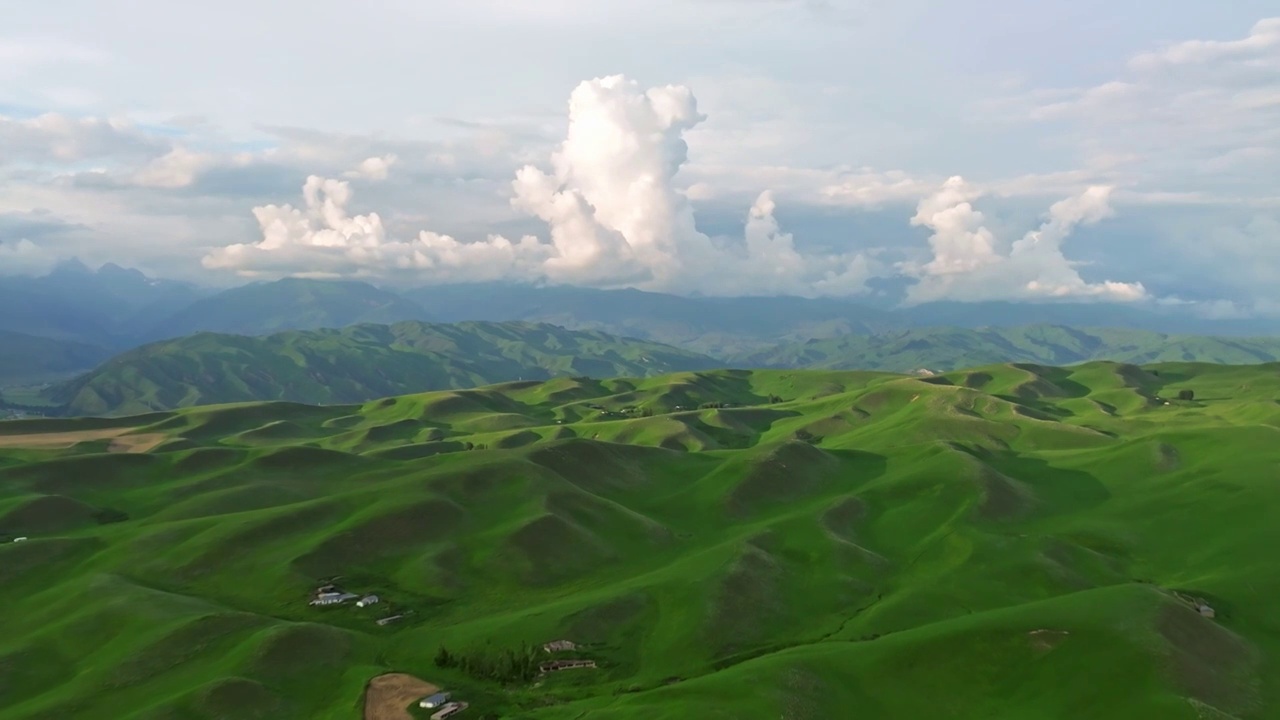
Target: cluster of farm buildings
(330, 594)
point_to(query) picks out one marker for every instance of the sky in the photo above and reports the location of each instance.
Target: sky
(1125, 151)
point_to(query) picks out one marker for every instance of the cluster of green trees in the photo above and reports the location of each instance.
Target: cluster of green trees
(504, 666)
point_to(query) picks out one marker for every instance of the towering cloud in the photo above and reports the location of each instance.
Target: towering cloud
(968, 265)
(614, 213)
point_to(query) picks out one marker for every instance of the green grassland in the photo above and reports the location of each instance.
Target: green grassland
(1003, 542)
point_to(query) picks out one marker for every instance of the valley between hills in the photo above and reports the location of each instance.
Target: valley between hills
(1008, 541)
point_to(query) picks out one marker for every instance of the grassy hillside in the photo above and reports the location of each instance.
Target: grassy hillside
(355, 364)
(1013, 541)
(29, 359)
(951, 348)
(289, 304)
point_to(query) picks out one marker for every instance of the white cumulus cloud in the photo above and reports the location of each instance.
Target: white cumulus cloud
(374, 168)
(969, 264)
(614, 213)
(56, 138)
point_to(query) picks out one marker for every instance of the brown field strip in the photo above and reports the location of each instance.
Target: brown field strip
(140, 443)
(61, 440)
(389, 696)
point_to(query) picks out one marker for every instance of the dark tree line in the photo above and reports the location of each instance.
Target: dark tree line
(504, 666)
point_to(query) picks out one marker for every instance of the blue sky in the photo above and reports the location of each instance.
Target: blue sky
(1120, 151)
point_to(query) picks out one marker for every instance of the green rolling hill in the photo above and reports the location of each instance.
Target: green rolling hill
(354, 364)
(1012, 541)
(950, 348)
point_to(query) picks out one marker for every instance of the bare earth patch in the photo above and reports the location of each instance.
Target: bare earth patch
(389, 696)
(140, 443)
(1042, 641)
(58, 440)
(120, 442)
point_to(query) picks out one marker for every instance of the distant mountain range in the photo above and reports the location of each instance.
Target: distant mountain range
(328, 341)
(364, 362)
(355, 364)
(112, 307)
(947, 349)
(289, 304)
(120, 308)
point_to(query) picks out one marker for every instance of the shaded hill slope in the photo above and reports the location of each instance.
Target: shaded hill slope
(29, 359)
(354, 364)
(1006, 541)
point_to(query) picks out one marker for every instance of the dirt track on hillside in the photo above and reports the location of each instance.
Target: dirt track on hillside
(389, 696)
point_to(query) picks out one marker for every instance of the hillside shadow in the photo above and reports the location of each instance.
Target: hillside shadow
(1057, 490)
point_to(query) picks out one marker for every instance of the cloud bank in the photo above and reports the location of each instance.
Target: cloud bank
(969, 264)
(614, 214)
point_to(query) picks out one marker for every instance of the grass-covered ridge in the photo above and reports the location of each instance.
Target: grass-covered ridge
(354, 364)
(1008, 541)
(951, 348)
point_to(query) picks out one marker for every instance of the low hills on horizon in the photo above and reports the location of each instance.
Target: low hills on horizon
(120, 308)
(354, 364)
(746, 544)
(112, 340)
(362, 362)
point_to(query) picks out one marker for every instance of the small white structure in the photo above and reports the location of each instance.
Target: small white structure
(367, 600)
(333, 598)
(1205, 610)
(20, 539)
(434, 701)
(559, 646)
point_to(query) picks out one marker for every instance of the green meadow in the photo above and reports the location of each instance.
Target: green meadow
(1011, 541)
